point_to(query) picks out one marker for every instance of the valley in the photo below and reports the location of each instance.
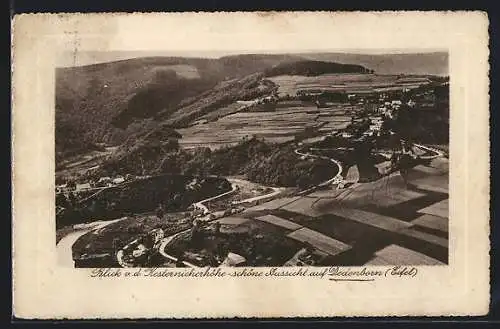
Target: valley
(254, 165)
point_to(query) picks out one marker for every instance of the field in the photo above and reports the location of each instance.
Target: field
(83, 162)
(383, 222)
(279, 124)
(230, 109)
(352, 83)
(185, 71)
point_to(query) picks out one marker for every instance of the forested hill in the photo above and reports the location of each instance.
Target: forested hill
(314, 68)
(110, 102)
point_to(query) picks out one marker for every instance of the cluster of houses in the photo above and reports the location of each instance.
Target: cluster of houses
(85, 186)
(389, 108)
(375, 127)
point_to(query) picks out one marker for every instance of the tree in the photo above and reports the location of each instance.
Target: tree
(169, 164)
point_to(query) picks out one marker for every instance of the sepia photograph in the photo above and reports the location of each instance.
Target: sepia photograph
(295, 159)
(250, 165)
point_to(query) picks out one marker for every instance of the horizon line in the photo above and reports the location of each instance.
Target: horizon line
(91, 57)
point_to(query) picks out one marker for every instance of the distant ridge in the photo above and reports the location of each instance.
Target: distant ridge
(424, 63)
(435, 63)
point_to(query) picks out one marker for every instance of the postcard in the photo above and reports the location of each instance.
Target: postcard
(222, 165)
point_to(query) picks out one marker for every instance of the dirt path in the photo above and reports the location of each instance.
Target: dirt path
(200, 204)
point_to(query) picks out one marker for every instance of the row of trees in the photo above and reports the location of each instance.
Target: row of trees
(141, 196)
(262, 162)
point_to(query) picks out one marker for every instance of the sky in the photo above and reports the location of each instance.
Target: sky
(220, 34)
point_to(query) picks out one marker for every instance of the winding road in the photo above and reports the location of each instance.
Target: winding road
(275, 192)
(337, 179)
(334, 180)
(163, 245)
(166, 240)
(200, 204)
(65, 246)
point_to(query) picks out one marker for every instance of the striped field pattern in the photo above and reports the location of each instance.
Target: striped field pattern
(386, 222)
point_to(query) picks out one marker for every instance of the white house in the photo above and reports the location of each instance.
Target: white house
(85, 186)
(118, 180)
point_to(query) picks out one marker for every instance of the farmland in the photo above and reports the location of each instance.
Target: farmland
(282, 121)
(351, 83)
(382, 222)
(279, 124)
(366, 221)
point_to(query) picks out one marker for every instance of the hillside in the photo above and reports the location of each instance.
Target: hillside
(247, 88)
(109, 101)
(118, 101)
(259, 161)
(174, 192)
